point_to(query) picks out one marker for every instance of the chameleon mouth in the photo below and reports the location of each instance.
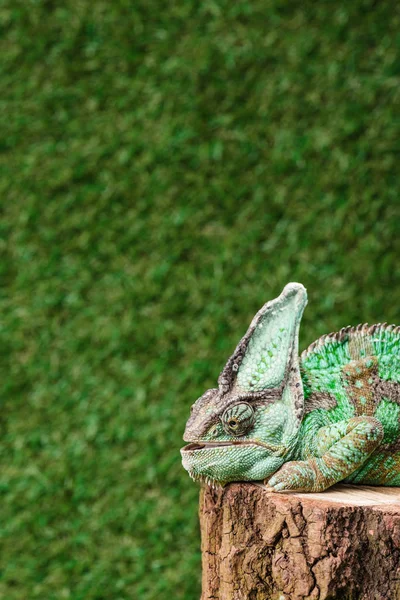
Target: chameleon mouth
(203, 445)
(276, 450)
(194, 446)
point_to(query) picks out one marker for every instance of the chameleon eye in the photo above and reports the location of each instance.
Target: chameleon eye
(237, 419)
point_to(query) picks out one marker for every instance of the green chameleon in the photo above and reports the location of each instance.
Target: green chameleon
(301, 424)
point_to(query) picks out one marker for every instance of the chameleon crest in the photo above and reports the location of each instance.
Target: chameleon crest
(300, 423)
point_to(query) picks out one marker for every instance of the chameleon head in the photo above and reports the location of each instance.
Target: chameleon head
(244, 440)
(245, 429)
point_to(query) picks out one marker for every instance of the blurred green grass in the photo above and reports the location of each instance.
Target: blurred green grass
(165, 168)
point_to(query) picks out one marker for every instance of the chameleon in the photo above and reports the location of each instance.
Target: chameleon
(300, 423)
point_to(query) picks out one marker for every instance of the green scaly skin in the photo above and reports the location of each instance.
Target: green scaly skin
(301, 424)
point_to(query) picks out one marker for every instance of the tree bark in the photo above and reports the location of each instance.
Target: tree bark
(342, 544)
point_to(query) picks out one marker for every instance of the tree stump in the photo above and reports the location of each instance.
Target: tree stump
(342, 544)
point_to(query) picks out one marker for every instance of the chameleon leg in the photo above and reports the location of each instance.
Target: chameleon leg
(337, 450)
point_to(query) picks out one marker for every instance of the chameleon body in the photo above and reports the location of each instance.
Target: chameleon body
(301, 424)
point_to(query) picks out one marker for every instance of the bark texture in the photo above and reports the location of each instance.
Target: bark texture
(342, 544)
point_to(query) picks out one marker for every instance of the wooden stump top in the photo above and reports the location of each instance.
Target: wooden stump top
(355, 495)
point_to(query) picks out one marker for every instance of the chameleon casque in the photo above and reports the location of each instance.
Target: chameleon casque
(301, 424)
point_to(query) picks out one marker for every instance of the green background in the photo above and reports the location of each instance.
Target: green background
(166, 168)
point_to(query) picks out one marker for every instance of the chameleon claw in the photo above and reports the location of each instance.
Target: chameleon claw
(272, 482)
(268, 487)
(279, 487)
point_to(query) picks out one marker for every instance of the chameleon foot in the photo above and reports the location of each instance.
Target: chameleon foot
(294, 476)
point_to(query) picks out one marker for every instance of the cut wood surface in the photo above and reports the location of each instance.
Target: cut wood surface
(342, 544)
